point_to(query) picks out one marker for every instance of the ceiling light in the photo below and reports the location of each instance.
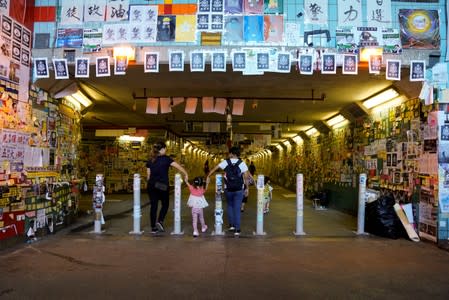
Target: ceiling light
(81, 98)
(130, 138)
(73, 101)
(335, 120)
(311, 131)
(380, 98)
(297, 139)
(279, 147)
(365, 53)
(286, 143)
(127, 51)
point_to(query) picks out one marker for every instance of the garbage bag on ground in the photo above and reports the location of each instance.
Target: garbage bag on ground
(381, 219)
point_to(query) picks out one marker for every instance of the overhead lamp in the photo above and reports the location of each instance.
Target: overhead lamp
(335, 120)
(286, 143)
(365, 53)
(380, 98)
(130, 138)
(297, 139)
(79, 100)
(311, 131)
(279, 147)
(127, 51)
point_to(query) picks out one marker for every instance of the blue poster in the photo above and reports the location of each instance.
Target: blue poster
(233, 6)
(253, 28)
(233, 29)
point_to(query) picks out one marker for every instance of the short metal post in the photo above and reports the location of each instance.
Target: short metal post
(362, 203)
(299, 205)
(136, 212)
(260, 205)
(177, 206)
(218, 205)
(98, 201)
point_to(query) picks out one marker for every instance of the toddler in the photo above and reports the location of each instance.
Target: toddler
(267, 194)
(197, 202)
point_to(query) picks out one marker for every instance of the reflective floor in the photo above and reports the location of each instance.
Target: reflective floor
(329, 262)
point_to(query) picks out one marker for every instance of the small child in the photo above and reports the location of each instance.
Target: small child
(197, 202)
(267, 194)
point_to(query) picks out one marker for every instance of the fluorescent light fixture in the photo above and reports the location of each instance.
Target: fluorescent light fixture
(387, 105)
(380, 98)
(311, 131)
(335, 120)
(297, 139)
(73, 101)
(279, 147)
(286, 143)
(81, 98)
(341, 124)
(130, 138)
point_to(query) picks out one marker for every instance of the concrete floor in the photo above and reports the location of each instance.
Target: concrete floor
(329, 262)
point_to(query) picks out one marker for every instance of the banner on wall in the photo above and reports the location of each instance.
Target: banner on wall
(71, 12)
(378, 13)
(350, 13)
(4, 7)
(117, 10)
(316, 11)
(420, 29)
(94, 10)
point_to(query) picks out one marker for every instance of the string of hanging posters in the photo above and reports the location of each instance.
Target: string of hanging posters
(250, 61)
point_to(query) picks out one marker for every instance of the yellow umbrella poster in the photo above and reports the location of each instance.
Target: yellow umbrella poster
(185, 28)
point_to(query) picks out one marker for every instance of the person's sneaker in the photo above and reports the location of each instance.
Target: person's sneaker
(160, 227)
(154, 230)
(231, 228)
(204, 228)
(195, 234)
(237, 232)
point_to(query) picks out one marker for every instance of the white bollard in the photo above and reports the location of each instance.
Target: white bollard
(98, 200)
(218, 205)
(136, 212)
(177, 206)
(299, 205)
(362, 203)
(260, 204)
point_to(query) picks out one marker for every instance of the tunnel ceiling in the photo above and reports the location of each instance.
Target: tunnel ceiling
(292, 100)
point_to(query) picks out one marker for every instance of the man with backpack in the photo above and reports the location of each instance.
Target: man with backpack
(236, 174)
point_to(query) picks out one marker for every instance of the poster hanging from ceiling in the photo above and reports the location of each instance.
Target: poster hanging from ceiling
(350, 13)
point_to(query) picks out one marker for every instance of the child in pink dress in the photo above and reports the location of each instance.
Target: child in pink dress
(197, 202)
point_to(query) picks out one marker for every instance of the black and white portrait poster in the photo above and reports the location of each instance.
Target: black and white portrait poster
(350, 65)
(60, 67)
(393, 69)
(239, 61)
(16, 50)
(6, 25)
(176, 61)
(102, 67)
(375, 63)
(17, 32)
(218, 61)
(263, 61)
(151, 62)
(305, 64)
(197, 61)
(417, 70)
(26, 38)
(202, 21)
(25, 57)
(82, 67)
(283, 62)
(120, 64)
(328, 64)
(41, 67)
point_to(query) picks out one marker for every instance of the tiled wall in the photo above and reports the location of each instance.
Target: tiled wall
(46, 14)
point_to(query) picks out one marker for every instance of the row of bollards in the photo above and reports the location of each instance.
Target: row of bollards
(99, 199)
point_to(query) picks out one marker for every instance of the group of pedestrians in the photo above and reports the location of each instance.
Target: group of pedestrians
(237, 177)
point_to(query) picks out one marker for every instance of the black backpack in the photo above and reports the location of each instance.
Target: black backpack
(234, 178)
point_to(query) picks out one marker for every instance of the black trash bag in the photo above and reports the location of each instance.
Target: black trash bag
(381, 219)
